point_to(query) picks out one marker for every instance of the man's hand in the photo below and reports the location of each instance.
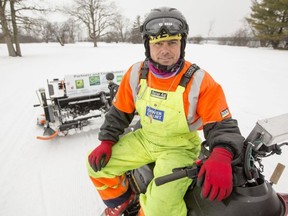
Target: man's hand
(216, 175)
(100, 156)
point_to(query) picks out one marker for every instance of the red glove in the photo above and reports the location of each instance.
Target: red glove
(100, 156)
(216, 173)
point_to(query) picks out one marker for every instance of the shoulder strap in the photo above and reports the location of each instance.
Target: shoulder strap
(144, 70)
(188, 74)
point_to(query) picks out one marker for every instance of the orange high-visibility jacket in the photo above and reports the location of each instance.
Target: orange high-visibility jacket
(204, 105)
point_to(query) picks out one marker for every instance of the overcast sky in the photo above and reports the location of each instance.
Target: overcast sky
(225, 16)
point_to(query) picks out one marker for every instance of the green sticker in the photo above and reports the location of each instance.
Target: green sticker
(79, 84)
(118, 78)
(94, 80)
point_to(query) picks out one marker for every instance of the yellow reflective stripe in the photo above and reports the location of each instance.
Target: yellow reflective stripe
(104, 187)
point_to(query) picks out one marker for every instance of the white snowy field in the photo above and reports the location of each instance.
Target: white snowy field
(49, 178)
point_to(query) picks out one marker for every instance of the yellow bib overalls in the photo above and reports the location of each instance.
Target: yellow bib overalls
(164, 139)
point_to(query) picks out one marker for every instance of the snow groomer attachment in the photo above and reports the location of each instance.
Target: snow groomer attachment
(75, 104)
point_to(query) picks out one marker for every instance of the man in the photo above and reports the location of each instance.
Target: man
(173, 99)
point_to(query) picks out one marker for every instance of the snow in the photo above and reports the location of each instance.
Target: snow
(49, 177)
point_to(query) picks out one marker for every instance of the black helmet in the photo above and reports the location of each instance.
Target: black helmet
(169, 19)
(164, 20)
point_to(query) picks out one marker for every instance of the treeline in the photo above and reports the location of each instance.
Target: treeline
(267, 26)
(86, 20)
(101, 20)
(232, 41)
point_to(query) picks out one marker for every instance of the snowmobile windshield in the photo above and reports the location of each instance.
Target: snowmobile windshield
(172, 26)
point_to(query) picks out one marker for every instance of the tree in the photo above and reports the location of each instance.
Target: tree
(45, 31)
(118, 30)
(94, 14)
(120, 27)
(210, 30)
(135, 36)
(12, 18)
(241, 37)
(269, 21)
(5, 27)
(62, 32)
(197, 39)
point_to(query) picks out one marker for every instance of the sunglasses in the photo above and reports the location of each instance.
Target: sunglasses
(172, 26)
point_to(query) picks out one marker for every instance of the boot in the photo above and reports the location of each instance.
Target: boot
(118, 210)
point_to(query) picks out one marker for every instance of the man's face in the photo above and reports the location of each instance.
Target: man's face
(165, 52)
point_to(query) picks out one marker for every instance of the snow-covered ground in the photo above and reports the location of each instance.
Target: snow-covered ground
(49, 177)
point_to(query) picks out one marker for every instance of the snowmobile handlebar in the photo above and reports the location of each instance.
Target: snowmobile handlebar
(190, 172)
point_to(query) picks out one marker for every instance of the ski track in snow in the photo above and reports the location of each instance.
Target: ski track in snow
(49, 178)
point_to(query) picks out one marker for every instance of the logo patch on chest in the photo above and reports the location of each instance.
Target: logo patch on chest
(154, 114)
(160, 95)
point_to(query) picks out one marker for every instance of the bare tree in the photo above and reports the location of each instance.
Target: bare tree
(11, 18)
(62, 32)
(44, 31)
(94, 14)
(241, 37)
(196, 39)
(15, 28)
(5, 28)
(210, 30)
(120, 26)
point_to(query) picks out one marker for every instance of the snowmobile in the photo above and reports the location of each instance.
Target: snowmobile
(76, 103)
(252, 194)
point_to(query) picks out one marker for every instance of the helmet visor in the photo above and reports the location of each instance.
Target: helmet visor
(172, 26)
